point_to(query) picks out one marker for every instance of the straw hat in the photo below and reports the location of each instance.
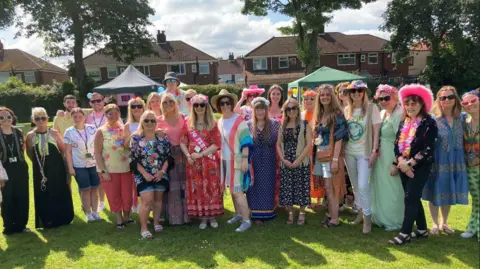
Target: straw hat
(224, 93)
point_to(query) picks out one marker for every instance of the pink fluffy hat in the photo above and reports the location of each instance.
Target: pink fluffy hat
(419, 90)
(253, 89)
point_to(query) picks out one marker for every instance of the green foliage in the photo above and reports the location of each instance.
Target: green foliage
(21, 98)
(213, 89)
(7, 13)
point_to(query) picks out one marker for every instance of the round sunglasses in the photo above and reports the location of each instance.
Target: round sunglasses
(2, 118)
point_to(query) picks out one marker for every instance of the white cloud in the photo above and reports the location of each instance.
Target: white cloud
(217, 27)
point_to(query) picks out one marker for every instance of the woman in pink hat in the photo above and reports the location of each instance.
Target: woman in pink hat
(414, 147)
(248, 95)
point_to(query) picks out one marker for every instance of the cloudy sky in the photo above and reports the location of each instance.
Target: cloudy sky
(217, 26)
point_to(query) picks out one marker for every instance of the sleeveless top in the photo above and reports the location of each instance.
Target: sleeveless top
(114, 153)
(43, 139)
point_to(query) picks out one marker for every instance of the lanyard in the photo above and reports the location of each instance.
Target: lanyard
(84, 140)
(95, 121)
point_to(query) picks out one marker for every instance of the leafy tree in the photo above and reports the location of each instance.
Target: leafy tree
(68, 26)
(310, 18)
(7, 12)
(449, 28)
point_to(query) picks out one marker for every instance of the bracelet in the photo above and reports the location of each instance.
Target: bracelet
(335, 159)
(245, 156)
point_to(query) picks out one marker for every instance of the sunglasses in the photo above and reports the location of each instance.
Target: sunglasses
(188, 99)
(169, 102)
(2, 118)
(324, 95)
(202, 105)
(444, 98)
(136, 106)
(147, 121)
(384, 99)
(96, 101)
(289, 109)
(344, 93)
(170, 80)
(40, 118)
(253, 95)
(356, 90)
(309, 98)
(464, 103)
(225, 103)
(409, 104)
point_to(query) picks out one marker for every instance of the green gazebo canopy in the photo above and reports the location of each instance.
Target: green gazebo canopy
(322, 76)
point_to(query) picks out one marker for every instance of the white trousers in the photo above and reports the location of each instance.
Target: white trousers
(359, 173)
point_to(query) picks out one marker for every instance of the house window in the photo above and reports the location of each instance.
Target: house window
(362, 58)
(19, 76)
(410, 61)
(144, 69)
(293, 61)
(260, 64)
(4, 77)
(346, 59)
(94, 74)
(177, 68)
(112, 72)
(29, 77)
(373, 58)
(282, 62)
(204, 68)
(194, 68)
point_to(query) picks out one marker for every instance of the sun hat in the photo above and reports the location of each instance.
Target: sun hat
(223, 93)
(358, 84)
(419, 90)
(253, 89)
(171, 75)
(385, 89)
(258, 100)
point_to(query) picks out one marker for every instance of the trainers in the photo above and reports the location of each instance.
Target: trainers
(466, 235)
(214, 223)
(90, 217)
(235, 219)
(96, 216)
(101, 206)
(246, 224)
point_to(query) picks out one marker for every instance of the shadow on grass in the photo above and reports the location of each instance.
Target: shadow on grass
(275, 243)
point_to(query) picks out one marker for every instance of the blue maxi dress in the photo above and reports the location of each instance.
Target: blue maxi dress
(448, 184)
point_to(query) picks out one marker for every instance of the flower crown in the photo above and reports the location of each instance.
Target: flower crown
(136, 99)
(260, 100)
(385, 88)
(357, 84)
(310, 93)
(199, 98)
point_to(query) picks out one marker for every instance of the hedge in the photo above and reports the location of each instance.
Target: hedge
(213, 89)
(21, 98)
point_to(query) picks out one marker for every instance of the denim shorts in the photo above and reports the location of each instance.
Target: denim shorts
(322, 170)
(152, 187)
(87, 178)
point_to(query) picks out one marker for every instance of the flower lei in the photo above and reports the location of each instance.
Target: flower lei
(406, 136)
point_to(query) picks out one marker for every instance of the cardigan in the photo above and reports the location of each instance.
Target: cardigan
(300, 144)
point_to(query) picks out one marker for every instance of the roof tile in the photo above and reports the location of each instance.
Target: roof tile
(22, 61)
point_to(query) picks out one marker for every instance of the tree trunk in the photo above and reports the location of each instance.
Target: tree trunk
(80, 72)
(312, 42)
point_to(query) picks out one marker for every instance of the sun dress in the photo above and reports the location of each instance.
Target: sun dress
(472, 157)
(261, 196)
(448, 184)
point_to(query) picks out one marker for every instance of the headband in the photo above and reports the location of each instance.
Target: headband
(260, 100)
(199, 97)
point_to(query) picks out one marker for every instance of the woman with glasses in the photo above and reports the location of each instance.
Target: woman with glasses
(362, 149)
(14, 191)
(172, 123)
(189, 94)
(154, 103)
(386, 187)
(151, 158)
(45, 148)
(113, 164)
(235, 156)
(471, 138)
(79, 152)
(449, 182)
(247, 95)
(200, 143)
(275, 98)
(293, 145)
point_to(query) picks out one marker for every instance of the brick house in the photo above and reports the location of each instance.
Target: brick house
(231, 70)
(192, 65)
(28, 68)
(276, 61)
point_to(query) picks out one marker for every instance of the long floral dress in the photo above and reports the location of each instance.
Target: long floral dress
(203, 189)
(472, 156)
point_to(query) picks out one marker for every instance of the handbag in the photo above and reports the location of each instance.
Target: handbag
(323, 155)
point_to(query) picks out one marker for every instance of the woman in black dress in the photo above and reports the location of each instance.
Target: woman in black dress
(53, 200)
(15, 190)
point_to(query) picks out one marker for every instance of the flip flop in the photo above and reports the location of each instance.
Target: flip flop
(447, 229)
(434, 231)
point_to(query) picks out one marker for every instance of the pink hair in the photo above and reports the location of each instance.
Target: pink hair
(420, 90)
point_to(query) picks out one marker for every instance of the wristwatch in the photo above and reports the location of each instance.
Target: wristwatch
(103, 171)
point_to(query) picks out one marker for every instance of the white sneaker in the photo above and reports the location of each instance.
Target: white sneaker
(90, 217)
(214, 223)
(101, 206)
(466, 235)
(246, 224)
(96, 216)
(235, 219)
(202, 226)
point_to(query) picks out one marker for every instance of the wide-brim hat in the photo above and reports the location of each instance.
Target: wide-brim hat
(254, 89)
(224, 93)
(171, 75)
(420, 90)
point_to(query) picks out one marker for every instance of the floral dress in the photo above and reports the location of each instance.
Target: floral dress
(151, 155)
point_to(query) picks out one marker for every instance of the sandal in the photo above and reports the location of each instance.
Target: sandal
(121, 226)
(447, 229)
(419, 235)
(130, 221)
(328, 224)
(158, 228)
(325, 220)
(147, 235)
(26, 230)
(400, 240)
(301, 218)
(434, 231)
(290, 218)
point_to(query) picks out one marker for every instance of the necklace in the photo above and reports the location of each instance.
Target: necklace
(41, 162)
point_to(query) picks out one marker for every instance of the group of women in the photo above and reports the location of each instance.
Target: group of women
(268, 153)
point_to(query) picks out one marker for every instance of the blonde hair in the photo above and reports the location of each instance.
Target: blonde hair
(437, 109)
(208, 119)
(349, 108)
(149, 99)
(38, 110)
(110, 107)
(130, 117)
(169, 96)
(284, 111)
(266, 129)
(330, 112)
(145, 114)
(190, 91)
(342, 85)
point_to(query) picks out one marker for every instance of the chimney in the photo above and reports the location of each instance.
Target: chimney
(231, 57)
(2, 51)
(161, 37)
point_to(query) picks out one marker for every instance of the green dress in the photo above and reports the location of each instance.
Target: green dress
(387, 195)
